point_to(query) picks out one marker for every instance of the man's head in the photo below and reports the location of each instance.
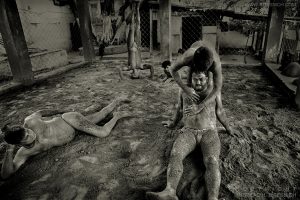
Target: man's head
(18, 135)
(180, 51)
(203, 59)
(165, 64)
(199, 81)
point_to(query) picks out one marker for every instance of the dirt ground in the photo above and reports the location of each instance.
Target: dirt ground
(261, 160)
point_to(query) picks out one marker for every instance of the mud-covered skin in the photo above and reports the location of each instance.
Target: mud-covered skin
(57, 132)
(206, 116)
(199, 129)
(187, 59)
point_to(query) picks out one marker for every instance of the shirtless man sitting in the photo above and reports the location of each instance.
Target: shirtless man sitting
(201, 56)
(199, 129)
(38, 135)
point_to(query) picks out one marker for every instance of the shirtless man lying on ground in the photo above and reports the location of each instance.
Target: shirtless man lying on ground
(38, 135)
(199, 129)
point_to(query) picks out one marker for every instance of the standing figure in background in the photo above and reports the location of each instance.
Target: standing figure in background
(134, 44)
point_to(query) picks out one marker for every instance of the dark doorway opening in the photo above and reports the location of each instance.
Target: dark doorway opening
(154, 35)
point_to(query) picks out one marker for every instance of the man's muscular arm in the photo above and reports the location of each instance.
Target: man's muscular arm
(185, 60)
(11, 165)
(218, 83)
(8, 166)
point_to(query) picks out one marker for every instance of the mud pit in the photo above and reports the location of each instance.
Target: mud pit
(261, 160)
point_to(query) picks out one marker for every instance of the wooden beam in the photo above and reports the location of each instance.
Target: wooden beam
(274, 30)
(15, 43)
(86, 30)
(165, 29)
(151, 31)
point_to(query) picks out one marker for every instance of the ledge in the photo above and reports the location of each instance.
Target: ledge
(14, 86)
(286, 82)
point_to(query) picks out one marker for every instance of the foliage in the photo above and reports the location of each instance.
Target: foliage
(246, 26)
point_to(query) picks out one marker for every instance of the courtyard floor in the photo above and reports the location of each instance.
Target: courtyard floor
(260, 161)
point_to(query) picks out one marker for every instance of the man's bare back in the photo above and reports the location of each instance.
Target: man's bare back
(50, 133)
(38, 135)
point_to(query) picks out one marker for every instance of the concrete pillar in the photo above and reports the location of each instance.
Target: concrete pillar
(165, 29)
(14, 42)
(209, 34)
(86, 30)
(259, 40)
(151, 31)
(274, 31)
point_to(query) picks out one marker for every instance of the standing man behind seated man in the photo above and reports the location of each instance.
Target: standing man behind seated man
(38, 135)
(201, 56)
(199, 129)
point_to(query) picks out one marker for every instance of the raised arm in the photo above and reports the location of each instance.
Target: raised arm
(10, 165)
(177, 115)
(185, 60)
(218, 83)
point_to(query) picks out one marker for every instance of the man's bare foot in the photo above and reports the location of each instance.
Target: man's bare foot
(164, 195)
(122, 114)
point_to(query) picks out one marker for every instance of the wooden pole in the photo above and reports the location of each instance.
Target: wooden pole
(165, 29)
(151, 31)
(15, 43)
(274, 31)
(86, 30)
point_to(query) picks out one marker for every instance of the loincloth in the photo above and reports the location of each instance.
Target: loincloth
(197, 133)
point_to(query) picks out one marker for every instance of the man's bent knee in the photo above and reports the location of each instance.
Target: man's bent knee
(211, 161)
(71, 117)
